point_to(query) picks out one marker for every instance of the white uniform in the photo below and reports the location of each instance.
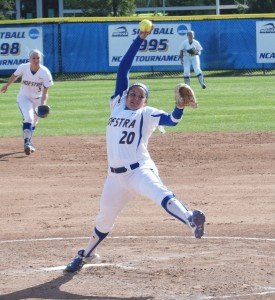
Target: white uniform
(189, 60)
(128, 132)
(130, 167)
(32, 84)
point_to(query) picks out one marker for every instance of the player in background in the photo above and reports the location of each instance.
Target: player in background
(190, 50)
(35, 82)
(130, 167)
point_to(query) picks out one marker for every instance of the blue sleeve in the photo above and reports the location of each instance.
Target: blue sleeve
(122, 80)
(171, 119)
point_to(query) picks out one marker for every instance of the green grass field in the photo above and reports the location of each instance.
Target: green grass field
(82, 108)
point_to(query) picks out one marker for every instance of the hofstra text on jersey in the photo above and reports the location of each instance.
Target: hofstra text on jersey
(121, 122)
(32, 83)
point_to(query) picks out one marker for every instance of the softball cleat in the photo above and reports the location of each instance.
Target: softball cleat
(28, 148)
(79, 261)
(32, 148)
(197, 223)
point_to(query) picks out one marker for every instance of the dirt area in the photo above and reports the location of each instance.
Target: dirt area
(49, 201)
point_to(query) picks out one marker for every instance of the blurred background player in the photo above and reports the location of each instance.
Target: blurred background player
(190, 50)
(130, 167)
(35, 82)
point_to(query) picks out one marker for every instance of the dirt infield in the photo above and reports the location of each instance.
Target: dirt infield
(49, 201)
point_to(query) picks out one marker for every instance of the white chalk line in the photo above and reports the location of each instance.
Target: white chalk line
(268, 291)
(62, 268)
(141, 237)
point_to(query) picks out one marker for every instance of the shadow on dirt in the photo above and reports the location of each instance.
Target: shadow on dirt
(51, 290)
(3, 157)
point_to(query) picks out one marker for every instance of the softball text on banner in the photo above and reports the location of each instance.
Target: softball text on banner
(265, 36)
(161, 48)
(16, 43)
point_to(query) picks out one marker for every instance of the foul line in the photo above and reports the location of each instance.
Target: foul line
(142, 237)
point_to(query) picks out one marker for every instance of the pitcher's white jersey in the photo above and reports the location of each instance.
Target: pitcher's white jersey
(185, 46)
(128, 132)
(32, 84)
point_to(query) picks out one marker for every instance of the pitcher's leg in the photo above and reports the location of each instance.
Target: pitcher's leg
(193, 219)
(88, 254)
(114, 197)
(147, 183)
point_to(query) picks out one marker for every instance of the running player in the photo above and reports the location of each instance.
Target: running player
(35, 82)
(130, 167)
(190, 50)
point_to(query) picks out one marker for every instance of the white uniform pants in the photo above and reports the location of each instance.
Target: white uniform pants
(27, 107)
(195, 62)
(118, 189)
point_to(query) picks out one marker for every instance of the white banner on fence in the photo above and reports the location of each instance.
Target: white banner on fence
(265, 37)
(161, 48)
(16, 43)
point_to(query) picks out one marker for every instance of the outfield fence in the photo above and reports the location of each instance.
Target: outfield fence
(91, 48)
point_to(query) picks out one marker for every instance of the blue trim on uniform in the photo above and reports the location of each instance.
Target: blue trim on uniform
(177, 113)
(159, 115)
(122, 80)
(165, 200)
(140, 130)
(101, 236)
(164, 204)
(27, 126)
(165, 119)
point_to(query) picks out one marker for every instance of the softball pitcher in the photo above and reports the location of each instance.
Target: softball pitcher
(35, 82)
(190, 50)
(131, 168)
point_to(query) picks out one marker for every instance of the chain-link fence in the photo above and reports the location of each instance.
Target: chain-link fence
(156, 75)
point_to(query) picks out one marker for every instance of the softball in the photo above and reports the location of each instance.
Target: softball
(145, 25)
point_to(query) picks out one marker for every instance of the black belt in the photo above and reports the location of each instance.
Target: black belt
(123, 169)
